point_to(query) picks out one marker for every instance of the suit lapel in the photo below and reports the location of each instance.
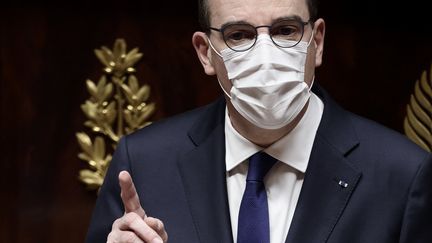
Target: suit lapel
(328, 185)
(203, 174)
(330, 178)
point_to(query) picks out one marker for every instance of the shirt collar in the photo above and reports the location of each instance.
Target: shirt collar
(292, 149)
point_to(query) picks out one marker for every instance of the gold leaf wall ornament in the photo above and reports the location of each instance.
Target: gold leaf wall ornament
(418, 121)
(117, 106)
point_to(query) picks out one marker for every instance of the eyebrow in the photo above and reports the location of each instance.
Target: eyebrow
(287, 17)
(234, 22)
(290, 17)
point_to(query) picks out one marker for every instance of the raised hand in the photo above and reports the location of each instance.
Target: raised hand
(134, 226)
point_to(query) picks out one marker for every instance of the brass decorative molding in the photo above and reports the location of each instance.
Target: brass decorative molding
(117, 106)
(418, 121)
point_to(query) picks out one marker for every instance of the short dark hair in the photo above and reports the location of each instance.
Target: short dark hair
(204, 12)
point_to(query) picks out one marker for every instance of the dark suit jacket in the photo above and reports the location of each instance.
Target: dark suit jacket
(178, 167)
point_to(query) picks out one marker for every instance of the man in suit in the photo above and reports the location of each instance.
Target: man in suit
(317, 172)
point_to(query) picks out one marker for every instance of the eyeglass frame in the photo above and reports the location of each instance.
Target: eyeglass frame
(295, 18)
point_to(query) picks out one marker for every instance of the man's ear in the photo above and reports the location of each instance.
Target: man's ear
(202, 48)
(319, 35)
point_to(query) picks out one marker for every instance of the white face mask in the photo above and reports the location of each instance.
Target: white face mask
(268, 86)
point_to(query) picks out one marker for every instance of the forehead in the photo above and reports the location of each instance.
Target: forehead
(256, 12)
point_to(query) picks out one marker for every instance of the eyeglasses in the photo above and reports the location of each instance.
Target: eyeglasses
(284, 33)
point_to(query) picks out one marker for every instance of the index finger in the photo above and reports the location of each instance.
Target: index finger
(129, 195)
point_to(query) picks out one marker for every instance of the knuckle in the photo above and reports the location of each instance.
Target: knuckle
(161, 225)
(110, 237)
(158, 227)
(155, 223)
(130, 218)
(116, 223)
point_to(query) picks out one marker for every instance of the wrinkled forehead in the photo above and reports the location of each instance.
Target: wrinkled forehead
(256, 12)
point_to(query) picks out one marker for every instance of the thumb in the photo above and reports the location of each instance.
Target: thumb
(129, 195)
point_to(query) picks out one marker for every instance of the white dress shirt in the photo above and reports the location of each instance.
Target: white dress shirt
(284, 181)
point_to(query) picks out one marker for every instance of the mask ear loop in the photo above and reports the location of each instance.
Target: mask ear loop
(311, 38)
(313, 78)
(220, 84)
(213, 48)
(312, 83)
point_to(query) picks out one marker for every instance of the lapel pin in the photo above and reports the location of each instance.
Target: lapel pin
(343, 184)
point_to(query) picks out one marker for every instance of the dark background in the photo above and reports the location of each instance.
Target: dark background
(374, 52)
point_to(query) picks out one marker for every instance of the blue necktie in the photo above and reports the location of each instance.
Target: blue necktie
(253, 223)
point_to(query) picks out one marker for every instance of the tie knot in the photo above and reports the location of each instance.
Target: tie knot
(259, 164)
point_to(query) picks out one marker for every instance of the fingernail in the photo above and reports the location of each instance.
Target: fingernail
(157, 241)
